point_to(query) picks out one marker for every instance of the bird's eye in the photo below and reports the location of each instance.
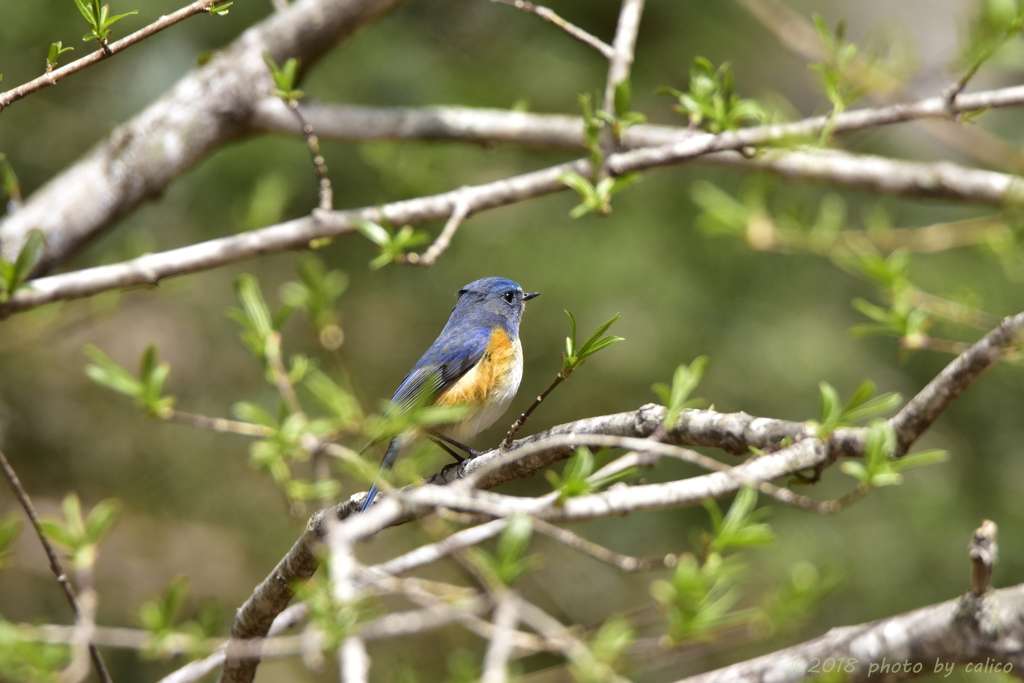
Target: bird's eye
(509, 296)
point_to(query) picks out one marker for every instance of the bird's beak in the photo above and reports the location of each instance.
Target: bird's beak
(530, 295)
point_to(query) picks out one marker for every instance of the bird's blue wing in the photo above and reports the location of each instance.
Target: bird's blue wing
(444, 364)
(441, 366)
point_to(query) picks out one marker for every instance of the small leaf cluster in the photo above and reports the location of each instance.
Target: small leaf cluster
(334, 620)
(276, 453)
(260, 330)
(99, 20)
(574, 355)
(903, 319)
(289, 436)
(879, 467)
(221, 10)
(147, 390)
(55, 51)
(317, 295)
(740, 526)
(596, 194)
(993, 24)
(792, 605)
(285, 77)
(711, 102)
(622, 118)
(171, 636)
(24, 658)
(700, 595)
(10, 529)
(392, 244)
(80, 537)
(577, 480)
(14, 274)
(862, 405)
(837, 70)
(720, 212)
(676, 397)
(603, 657)
(509, 562)
(596, 198)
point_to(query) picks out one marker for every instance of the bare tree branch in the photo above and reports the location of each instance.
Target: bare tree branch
(934, 180)
(506, 616)
(625, 46)
(51, 78)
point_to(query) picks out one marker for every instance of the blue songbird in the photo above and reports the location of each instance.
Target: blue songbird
(476, 362)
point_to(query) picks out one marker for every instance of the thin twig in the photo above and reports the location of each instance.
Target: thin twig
(435, 551)
(55, 566)
(51, 78)
(280, 374)
(324, 191)
(460, 209)
(606, 50)
(518, 424)
(218, 424)
(626, 563)
(84, 631)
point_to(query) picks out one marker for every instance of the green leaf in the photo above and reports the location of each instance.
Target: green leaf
(221, 9)
(830, 405)
(72, 509)
(111, 375)
(10, 529)
(86, 8)
(930, 457)
(248, 290)
(55, 51)
(623, 98)
(684, 381)
(373, 232)
(577, 182)
(876, 406)
(58, 533)
(101, 520)
(110, 22)
(27, 258)
(254, 414)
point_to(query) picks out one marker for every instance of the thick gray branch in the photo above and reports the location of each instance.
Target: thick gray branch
(926, 641)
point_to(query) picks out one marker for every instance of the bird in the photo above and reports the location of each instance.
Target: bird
(476, 362)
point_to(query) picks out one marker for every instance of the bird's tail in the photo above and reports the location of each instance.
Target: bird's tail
(369, 497)
(394, 448)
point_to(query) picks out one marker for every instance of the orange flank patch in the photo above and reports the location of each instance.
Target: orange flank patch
(473, 388)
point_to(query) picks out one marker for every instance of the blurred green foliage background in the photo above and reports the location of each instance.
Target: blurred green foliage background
(773, 324)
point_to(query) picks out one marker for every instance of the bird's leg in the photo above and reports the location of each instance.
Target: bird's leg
(450, 452)
(452, 442)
